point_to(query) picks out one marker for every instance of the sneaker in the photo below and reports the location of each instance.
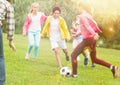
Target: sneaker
(74, 76)
(115, 71)
(85, 61)
(93, 66)
(67, 58)
(27, 57)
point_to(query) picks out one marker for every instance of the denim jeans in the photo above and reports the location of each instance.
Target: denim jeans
(34, 41)
(2, 63)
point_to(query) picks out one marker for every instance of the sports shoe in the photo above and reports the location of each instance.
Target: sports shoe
(27, 57)
(93, 66)
(74, 76)
(85, 61)
(67, 58)
(115, 71)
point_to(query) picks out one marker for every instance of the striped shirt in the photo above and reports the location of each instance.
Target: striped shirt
(7, 13)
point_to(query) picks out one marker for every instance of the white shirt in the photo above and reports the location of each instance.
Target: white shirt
(35, 25)
(54, 30)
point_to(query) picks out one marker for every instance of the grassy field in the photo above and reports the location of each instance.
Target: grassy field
(44, 71)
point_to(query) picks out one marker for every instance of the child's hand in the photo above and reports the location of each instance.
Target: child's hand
(69, 39)
(24, 34)
(42, 36)
(96, 36)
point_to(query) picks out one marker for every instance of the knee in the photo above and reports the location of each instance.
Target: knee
(36, 46)
(56, 51)
(73, 56)
(94, 59)
(31, 45)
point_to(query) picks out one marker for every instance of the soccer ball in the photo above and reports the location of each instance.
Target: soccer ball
(65, 71)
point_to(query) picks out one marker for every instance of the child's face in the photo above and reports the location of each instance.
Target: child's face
(56, 14)
(77, 25)
(35, 8)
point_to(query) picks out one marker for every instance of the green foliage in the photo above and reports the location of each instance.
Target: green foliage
(23, 7)
(104, 17)
(107, 15)
(45, 71)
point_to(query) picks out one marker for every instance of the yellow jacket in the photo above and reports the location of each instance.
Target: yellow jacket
(62, 25)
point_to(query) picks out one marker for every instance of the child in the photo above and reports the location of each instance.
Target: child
(32, 27)
(56, 29)
(77, 38)
(76, 35)
(89, 32)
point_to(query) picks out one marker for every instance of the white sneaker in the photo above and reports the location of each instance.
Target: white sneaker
(27, 57)
(74, 76)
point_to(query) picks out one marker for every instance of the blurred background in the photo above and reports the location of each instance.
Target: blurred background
(105, 12)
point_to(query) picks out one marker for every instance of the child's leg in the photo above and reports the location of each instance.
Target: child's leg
(76, 41)
(114, 69)
(86, 55)
(78, 50)
(30, 44)
(37, 42)
(30, 41)
(97, 60)
(63, 45)
(66, 54)
(55, 46)
(57, 57)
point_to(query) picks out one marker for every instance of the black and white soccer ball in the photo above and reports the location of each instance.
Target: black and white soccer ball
(65, 71)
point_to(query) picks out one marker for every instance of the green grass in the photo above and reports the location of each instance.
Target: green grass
(45, 71)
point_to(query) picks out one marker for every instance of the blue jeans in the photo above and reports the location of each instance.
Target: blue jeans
(34, 41)
(2, 63)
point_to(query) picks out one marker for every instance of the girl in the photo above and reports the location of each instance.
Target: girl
(56, 29)
(32, 26)
(76, 35)
(77, 38)
(89, 32)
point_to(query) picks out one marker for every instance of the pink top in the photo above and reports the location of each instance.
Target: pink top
(28, 21)
(88, 25)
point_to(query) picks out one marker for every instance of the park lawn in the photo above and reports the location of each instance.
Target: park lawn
(44, 71)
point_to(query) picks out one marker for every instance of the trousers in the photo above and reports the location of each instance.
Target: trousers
(2, 62)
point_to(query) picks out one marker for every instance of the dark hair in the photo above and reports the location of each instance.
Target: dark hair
(11, 1)
(56, 8)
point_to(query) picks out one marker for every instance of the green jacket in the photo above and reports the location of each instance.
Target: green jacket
(62, 25)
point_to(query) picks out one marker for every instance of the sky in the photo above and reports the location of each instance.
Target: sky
(102, 4)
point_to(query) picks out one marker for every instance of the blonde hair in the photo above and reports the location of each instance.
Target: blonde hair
(84, 6)
(34, 4)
